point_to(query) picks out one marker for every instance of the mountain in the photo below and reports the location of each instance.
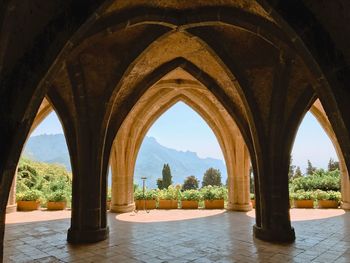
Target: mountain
(151, 157)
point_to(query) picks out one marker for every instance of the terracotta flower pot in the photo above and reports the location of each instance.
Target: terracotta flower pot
(145, 204)
(189, 204)
(214, 204)
(28, 205)
(253, 202)
(327, 204)
(304, 203)
(56, 205)
(167, 204)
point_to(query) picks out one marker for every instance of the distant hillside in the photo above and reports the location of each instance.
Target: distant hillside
(152, 156)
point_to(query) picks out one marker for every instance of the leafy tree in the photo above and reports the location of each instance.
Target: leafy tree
(160, 183)
(191, 182)
(297, 173)
(333, 165)
(310, 169)
(212, 177)
(166, 173)
(291, 168)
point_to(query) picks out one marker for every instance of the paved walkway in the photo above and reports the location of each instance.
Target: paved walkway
(160, 236)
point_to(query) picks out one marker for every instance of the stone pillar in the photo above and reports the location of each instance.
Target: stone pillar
(345, 185)
(11, 203)
(238, 181)
(88, 219)
(122, 184)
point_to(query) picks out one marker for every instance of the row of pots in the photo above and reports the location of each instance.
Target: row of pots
(173, 204)
(34, 205)
(310, 203)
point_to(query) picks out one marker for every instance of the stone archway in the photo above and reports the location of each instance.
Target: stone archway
(178, 85)
(44, 110)
(320, 114)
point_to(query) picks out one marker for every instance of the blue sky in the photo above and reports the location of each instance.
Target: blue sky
(183, 129)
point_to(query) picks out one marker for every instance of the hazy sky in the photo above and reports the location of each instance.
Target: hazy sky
(183, 129)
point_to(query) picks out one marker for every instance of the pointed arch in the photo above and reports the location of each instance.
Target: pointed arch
(152, 104)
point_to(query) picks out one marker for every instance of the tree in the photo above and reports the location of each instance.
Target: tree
(166, 173)
(291, 168)
(333, 165)
(297, 173)
(191, 182)
(212, 177)
(310, 169)
(160, 183)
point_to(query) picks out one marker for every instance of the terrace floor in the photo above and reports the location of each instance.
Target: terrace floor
(178, 236)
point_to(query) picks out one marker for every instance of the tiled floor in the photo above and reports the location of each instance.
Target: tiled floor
(219, 237)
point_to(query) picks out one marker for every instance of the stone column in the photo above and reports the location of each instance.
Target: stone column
(122, 184)
(345, 185)
(11, 203)
(238, 181)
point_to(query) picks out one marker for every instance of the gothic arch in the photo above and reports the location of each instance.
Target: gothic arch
(176, 86)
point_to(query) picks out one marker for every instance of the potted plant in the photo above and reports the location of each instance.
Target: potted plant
(329, 199)
(109, 198)
(190, 198)
(168, 198)
(252, 199)
(303, 199)
(214, 197)
(56, 200)
(145, 200)
(28, 200)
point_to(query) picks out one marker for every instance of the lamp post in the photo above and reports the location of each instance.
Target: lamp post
(143, 193)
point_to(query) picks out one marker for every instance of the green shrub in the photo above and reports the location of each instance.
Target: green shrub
(252, 196)
(327, 195)
(148, 195)
(109, 194)
(302, 195)
(58, 196)
(320, 179)
(191, 195)
(214, 193)
(169, 194)
(29, 195)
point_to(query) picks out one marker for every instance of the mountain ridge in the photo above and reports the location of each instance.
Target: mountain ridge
(52, 148)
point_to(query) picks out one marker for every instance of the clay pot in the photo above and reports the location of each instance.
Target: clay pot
(214, 204)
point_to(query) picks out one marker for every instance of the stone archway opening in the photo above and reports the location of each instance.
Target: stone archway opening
(178, 85)
(38, 159)
(321, 118)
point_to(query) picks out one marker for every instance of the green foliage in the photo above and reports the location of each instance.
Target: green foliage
(29, 195)
(297, 173)
(214, 193)
(291, 168)
(320, 179)
(252, 196)
(191, 182)
(212, 177)
(148, 195)
(327, 195)
(45, 178)
(310, 169)
(109, 194)
(160, 183)
(57, 196)
(302, 195)
(191, 195)
(166, 176)
(333, 165)
(172, 193)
